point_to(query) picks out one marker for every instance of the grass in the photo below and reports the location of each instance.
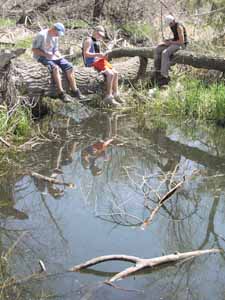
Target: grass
(18, 126)
(138, 30)
(192, 99)
(7, 22)
(74, 24)
(24, 43)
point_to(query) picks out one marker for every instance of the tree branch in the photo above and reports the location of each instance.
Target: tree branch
(141, 263)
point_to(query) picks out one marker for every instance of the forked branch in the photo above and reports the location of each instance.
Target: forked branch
(141, 263)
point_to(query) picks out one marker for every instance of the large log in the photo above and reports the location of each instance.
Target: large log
(181, 57)
(31, 79)
(34, 79)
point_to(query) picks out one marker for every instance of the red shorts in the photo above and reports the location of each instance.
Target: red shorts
(102, 64)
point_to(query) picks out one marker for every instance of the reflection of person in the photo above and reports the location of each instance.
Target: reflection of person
(93, 57)
(45, 51)
(163, 52)
(90, 155)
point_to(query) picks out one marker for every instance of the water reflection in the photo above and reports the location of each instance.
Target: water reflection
(94, 156)
(121, 166)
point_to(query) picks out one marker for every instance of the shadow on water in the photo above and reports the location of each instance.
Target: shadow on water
(121, 166)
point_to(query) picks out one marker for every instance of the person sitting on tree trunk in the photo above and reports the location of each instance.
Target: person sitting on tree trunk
(164, 51)
(45, 50)
(93, 57)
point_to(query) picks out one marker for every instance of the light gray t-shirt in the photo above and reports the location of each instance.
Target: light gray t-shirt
(45, 42)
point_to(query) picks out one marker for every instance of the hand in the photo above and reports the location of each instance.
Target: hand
(101, 55)
(49, 56)
(57, 54)
(167, 42)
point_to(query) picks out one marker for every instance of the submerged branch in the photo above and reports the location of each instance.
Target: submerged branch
(141, 263)
(167, 196)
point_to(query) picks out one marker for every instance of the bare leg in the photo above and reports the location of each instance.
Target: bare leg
(57, 79)
(115, 82)
(71, 78)
(109, 82)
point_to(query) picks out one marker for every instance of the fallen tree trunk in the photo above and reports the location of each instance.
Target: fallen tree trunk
(181, 57)
(25, 77)
(141, 263)
(34, 79)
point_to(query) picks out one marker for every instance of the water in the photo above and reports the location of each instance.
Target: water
(104, 214)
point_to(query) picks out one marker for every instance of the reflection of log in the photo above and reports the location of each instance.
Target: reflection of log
(141, 263)
(181, 57)
(51, 180)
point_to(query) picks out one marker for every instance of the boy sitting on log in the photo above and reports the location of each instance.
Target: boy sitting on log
(93, 57)
(45, 50)
(164, 51)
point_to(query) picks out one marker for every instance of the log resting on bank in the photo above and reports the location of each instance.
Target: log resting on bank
(181, 57)
(31, 79)
(34, 79)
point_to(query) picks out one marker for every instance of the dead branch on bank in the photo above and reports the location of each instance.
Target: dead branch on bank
(51, 180)
(140, 263)
(5, 142)
(167, 196)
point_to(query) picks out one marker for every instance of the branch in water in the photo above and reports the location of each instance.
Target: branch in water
(141, 263)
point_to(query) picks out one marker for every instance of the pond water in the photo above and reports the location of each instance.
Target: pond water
(116, 187)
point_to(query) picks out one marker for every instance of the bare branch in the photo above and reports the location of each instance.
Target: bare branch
(141, 263)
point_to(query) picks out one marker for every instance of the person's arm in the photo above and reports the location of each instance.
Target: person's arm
(56, 52)
(180, 41)
(39, 52)
(87, 53)
(37, 43)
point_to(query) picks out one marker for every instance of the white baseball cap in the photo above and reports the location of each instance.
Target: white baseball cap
(100, 29)
(169, 19)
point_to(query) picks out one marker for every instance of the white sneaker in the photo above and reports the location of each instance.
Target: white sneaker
(118, 98)
(111, 101)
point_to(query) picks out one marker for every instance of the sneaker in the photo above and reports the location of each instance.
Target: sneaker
(119, 99)
(111, 101)
(164, 81)
(63, 96)
(77, 94)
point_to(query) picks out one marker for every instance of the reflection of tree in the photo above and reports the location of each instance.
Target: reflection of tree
(138, 153)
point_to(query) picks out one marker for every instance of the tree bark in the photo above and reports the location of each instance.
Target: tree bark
(98, 7)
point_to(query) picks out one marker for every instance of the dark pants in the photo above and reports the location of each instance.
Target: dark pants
(51, 64)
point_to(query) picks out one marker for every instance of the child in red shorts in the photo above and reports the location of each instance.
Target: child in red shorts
(93, 57)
